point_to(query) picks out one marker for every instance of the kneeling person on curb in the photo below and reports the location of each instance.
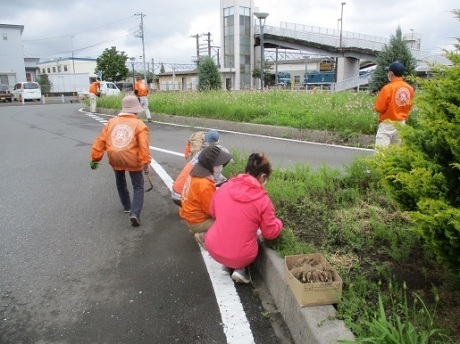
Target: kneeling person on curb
(199, 189)
(126, 140)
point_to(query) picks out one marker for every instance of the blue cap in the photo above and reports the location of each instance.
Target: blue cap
(396, 67)
(212, 136)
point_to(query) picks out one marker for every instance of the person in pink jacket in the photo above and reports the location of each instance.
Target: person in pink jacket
(241, 207)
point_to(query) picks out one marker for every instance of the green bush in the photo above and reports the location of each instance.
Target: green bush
(423, 175)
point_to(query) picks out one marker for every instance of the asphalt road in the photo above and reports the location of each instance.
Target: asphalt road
(72, 268)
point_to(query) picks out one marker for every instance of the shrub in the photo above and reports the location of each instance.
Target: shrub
(423, 175)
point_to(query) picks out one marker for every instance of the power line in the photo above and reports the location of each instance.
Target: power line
(77, 33)
(84, 48)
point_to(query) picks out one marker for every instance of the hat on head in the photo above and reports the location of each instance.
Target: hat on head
(396, 67)
(209, 157)
(211, 136)
(130, 104)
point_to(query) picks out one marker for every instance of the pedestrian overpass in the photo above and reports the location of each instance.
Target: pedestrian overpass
(352, 51)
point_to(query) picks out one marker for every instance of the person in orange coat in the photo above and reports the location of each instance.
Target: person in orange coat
(126, 140)
(393, 104)
(94, 92)
(142, 91)
(200, 187)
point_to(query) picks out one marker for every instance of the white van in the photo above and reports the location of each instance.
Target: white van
(27, 91)
(109, 89)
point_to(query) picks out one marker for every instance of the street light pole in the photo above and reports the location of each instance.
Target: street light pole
(132, 64)
(341, 24)
(73, 60)
(261, 16)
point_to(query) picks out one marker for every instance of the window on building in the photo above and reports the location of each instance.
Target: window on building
(65, 68)
(5, 36)
(245, 45)
(54, 69)
(296, 78)
(49, 70)
(43, 71)
(229, 37)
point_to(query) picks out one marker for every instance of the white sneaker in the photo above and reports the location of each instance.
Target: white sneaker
(239, 276)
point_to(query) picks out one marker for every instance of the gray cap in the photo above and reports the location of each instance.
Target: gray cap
(210, 157)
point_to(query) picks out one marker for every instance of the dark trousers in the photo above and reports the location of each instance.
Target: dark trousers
(137, 180)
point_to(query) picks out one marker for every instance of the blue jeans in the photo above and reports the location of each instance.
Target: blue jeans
(137, 179)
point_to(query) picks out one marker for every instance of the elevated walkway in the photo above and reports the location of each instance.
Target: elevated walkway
(326, 42)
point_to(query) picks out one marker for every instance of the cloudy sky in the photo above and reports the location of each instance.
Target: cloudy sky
(57, 28)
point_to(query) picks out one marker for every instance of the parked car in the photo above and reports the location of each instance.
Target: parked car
(5, 93)
(109, 89)
(125, 86)
(27, 91)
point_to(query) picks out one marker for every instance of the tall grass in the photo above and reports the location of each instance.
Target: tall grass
(349, 113)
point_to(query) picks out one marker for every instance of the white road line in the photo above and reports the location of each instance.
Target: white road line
(235, 324)
(166, 151)
(263, 136)
(234, 321)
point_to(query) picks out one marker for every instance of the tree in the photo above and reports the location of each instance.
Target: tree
(396, 50)
(209, 76)
(162, 68)
(267, 73)
(44, 82)
(112, 64)
(423, 175)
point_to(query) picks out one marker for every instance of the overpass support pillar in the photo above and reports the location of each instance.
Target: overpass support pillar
(347, 67)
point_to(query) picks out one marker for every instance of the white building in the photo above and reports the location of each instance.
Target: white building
(68, 65)
(12, 64)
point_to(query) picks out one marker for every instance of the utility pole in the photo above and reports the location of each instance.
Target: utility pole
(143, 44)
(153, 73)
(197, 37)
(209, 42)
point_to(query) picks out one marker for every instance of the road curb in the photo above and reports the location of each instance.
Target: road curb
(319, 136)
(312, 325)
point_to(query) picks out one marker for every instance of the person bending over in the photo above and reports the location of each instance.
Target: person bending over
(241, 207)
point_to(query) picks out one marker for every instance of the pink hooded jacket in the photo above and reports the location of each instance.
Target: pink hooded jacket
(241, 206)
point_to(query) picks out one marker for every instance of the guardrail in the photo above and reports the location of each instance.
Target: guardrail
(331, 37)
(350, 83)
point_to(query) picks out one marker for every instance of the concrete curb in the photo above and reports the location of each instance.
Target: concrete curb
(364, 141)
(312, 325)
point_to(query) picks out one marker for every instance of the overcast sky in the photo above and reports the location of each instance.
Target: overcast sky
(56, 28)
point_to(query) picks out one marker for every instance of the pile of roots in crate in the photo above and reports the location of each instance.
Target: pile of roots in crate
(309, 270)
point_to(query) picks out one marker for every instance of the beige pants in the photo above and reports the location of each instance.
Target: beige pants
(92, 102)
(144, 101)
(387, 134)
(201, 227)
